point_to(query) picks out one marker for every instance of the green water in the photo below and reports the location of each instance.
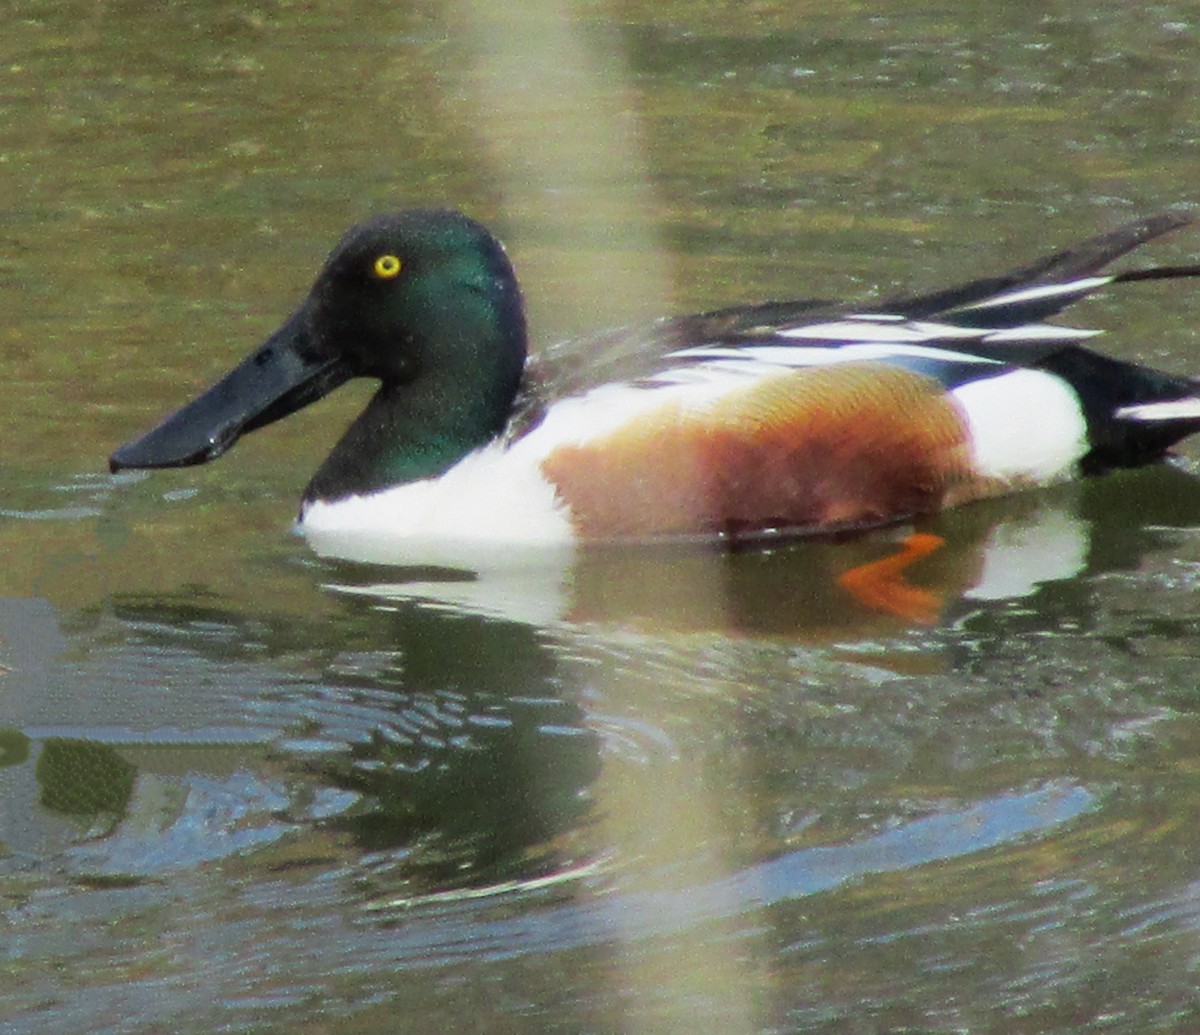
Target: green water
(245, 789)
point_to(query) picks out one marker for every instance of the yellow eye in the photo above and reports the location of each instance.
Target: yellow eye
(387, 266)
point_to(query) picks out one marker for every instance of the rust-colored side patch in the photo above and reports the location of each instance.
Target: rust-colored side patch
(820, 448)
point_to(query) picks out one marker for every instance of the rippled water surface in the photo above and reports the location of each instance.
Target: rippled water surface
(246, 789)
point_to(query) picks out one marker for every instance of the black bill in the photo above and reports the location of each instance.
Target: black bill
(281, 376)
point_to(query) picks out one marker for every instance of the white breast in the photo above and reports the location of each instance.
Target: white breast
(494, 507)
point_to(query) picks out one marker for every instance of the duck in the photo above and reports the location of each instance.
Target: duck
(737, 426)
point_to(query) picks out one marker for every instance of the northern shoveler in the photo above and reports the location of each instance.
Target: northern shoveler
(744, 424)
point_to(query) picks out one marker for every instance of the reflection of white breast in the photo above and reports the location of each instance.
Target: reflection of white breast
(1021, 555)
(532, 596)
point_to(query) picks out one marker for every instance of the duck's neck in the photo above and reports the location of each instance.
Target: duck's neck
(405, 435)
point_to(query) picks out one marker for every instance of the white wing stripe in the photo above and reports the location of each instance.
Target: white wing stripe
(863, 330)
(1040, 332)
(812, 356)
(1035, 294)
(1187, 408)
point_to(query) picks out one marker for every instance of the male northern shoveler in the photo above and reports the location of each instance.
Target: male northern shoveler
(778, 419)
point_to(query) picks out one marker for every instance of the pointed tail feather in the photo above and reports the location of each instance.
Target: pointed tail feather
(1085, 258)
(1157, 273)
(1031, 289)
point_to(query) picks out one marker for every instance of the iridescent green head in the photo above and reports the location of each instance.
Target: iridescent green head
(425, 301)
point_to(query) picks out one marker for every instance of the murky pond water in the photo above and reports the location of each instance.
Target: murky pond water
(243, 788)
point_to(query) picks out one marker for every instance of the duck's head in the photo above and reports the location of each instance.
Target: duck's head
(424, 301)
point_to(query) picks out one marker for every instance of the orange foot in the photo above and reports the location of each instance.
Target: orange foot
(880, 584)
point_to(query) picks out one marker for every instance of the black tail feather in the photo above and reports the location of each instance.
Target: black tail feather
(1157, 273)
(1090, 256)
(1080, 260)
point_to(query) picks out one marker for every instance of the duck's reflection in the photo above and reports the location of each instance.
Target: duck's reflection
(412, 722)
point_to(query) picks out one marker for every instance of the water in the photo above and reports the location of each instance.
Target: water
(246, 789)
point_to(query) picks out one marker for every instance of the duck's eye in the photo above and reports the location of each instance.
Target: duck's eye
(387, 266)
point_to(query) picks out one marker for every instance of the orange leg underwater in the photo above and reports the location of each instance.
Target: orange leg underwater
(881, 586)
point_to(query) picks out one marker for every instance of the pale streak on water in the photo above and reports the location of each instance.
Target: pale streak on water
(535, 66)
